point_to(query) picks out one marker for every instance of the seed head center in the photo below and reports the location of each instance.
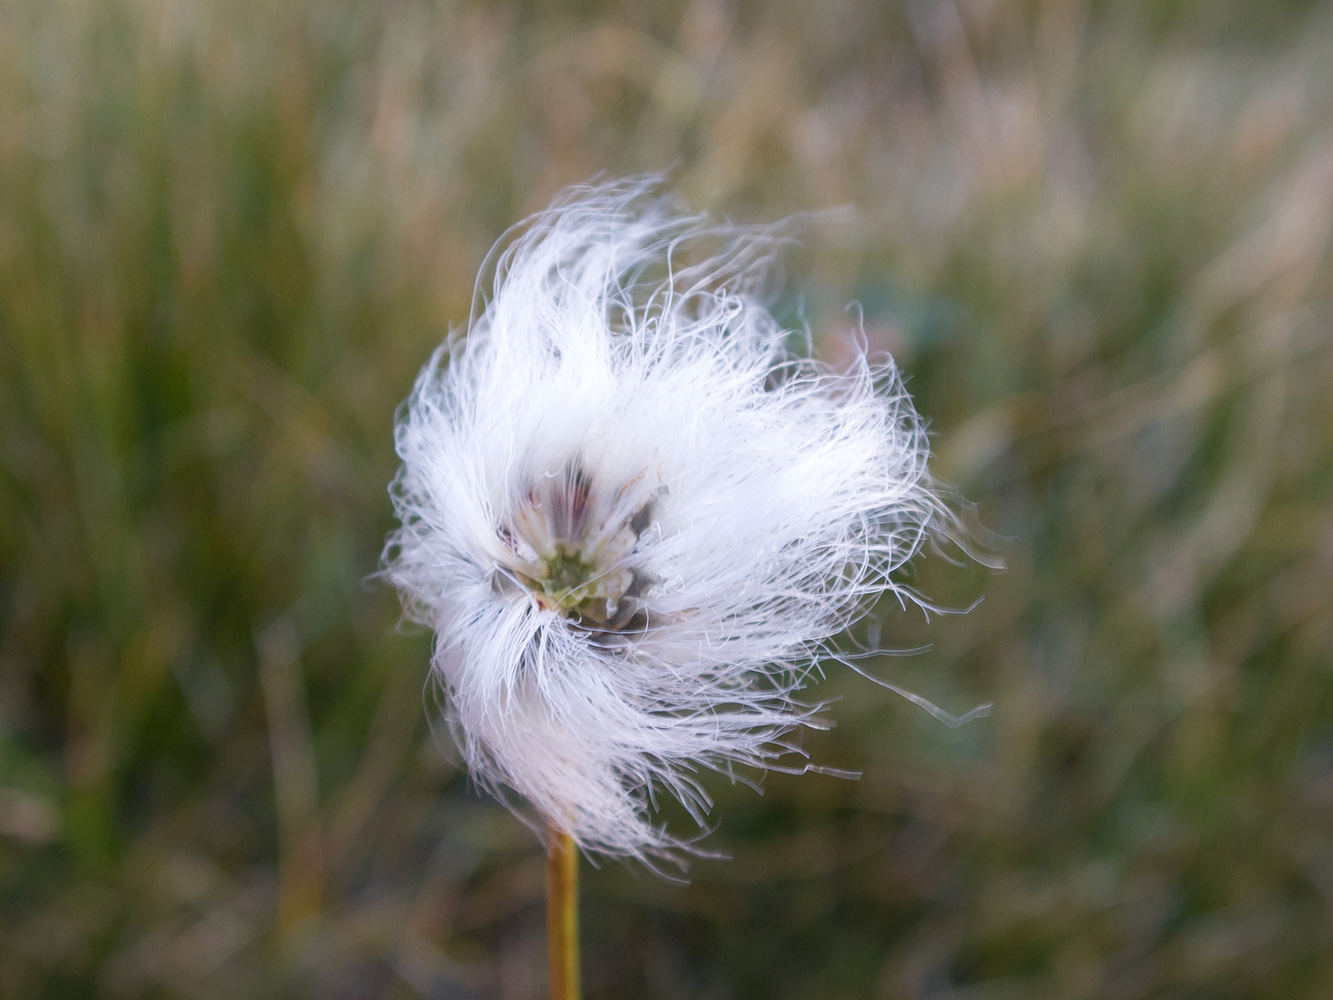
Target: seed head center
(569, 578)
(571, 547)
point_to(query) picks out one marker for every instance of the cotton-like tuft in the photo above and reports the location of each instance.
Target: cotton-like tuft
(634, 518)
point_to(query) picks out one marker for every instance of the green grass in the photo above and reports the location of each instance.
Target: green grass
(1095, 235)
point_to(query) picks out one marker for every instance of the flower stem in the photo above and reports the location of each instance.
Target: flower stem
(562, 916)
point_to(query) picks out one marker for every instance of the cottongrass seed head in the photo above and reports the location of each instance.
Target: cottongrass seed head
(634, 518)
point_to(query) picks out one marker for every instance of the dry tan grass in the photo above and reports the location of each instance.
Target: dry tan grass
(1096, 235)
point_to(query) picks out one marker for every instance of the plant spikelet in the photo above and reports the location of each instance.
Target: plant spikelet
(634, 518)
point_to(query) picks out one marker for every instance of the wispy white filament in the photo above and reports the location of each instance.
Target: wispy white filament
(634, 519)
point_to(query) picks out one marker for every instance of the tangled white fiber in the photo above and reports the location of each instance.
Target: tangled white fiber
(634, 519)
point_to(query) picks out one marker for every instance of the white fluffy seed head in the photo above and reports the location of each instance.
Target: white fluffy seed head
(634, 519)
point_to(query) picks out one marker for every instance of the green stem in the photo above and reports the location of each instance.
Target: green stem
(562, 916)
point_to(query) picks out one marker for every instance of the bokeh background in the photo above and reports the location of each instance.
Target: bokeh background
(1095, 234)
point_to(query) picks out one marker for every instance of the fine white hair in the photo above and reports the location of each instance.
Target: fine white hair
(634, 518)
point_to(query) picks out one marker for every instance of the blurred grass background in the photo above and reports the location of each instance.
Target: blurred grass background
(1096, 235)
